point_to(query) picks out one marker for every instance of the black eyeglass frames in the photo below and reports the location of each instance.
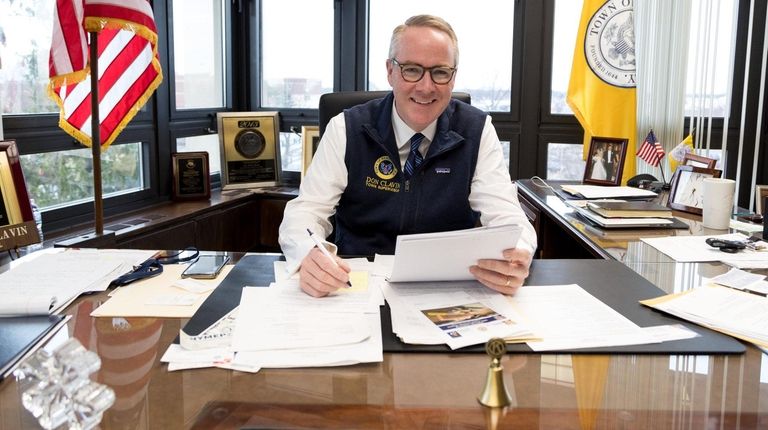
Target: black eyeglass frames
(440, 75)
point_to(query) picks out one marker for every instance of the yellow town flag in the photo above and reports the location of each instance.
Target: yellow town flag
(601, 92)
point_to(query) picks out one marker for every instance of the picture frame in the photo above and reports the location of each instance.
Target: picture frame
(16, 204)
(310, 138)
(250, 149)
(605, 161)
(17, 223)
(761, 192)
(694, 160)
(687, 191)
(191, 176)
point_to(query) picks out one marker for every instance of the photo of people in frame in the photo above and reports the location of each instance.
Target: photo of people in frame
(605, 162)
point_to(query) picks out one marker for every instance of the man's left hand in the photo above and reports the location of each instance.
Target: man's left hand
(504, 276)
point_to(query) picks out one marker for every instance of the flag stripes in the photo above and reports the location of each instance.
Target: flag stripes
(651, 150)
(129, 69)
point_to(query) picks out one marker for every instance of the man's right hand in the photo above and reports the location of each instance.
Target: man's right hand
(319, 276)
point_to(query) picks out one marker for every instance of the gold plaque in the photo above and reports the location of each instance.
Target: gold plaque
(250, 152)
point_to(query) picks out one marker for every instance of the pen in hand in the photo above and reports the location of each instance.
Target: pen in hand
(324, 250)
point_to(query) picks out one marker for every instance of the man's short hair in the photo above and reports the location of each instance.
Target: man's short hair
(430, 21)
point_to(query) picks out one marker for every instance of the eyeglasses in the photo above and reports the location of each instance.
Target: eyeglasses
(440, 75)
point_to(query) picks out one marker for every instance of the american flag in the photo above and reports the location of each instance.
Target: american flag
(129, 68)
(651, 150)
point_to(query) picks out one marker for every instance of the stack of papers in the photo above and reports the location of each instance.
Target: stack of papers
(457, 314)
(724, 309)
(447, 256)
(280, 326)
(689, 249)
(603, 192)
(48, 281)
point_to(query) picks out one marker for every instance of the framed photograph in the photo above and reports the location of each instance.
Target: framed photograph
(698, 161)
(687, 193)
(605, 161)
(250, 149)
(761, 192)
(17, 224)
(16, 207)
(191, 176)
(310, 138)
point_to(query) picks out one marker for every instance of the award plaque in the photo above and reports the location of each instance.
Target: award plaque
(191, 179)
(250, 152)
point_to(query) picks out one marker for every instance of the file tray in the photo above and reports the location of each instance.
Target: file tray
(614, 284)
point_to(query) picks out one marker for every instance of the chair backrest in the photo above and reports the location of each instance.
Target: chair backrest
(332, 104)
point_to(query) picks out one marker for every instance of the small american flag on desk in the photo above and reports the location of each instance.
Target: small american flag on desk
(651, 151)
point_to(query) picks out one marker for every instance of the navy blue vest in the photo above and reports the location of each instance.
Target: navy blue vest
(379, 203)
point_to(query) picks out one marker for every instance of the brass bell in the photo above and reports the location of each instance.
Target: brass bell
(495, 394)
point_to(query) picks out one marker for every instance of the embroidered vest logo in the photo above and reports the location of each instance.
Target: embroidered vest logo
(385, 170)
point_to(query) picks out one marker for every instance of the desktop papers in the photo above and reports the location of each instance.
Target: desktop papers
(447, 256)
(457, 314)
(47, 282)
(603, 192)
(688, 249)
(566, 317)
(165, 295)
(281, 326)
(733, 312)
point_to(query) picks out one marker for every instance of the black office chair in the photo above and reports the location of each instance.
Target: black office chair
(332, 104)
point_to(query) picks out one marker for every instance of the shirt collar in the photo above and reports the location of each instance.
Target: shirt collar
(403, 133)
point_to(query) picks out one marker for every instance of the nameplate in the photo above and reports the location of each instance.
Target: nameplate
(16, 235)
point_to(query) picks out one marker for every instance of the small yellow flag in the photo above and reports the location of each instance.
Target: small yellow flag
(678, 152)
(601, 91)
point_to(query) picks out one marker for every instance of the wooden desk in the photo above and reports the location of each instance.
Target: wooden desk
(426, 390)
(563, 234)
(413, 390)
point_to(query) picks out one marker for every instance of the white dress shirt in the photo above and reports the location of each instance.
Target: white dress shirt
(492, 194)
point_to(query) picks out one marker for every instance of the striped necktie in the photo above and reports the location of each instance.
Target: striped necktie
(414, 158)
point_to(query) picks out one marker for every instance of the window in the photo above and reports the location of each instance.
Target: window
(25, 41)
(707, 84)
(198, 54)
(567, 16)
(61, 178)
(564, 161)
(297, 52)
(485, 59)
(206, 142)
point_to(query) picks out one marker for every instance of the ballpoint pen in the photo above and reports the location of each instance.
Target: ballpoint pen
(324, 250)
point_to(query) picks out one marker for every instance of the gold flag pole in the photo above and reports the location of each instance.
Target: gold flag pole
(98, 204)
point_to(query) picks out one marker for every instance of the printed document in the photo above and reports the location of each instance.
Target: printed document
(567, 317)
(45, 283)
(687, 249)
(447, 256)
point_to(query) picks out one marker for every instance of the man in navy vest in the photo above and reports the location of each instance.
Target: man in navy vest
(415, 161)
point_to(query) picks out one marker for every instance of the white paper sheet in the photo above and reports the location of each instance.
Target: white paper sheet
(567, 317)
(688, 249)
(447, 256)
(268, 320)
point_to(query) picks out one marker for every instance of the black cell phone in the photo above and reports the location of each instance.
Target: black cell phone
(206, 266)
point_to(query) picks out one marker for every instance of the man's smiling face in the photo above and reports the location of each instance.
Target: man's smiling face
(420, 103)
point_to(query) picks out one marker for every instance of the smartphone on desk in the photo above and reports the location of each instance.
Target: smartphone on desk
(206, 266)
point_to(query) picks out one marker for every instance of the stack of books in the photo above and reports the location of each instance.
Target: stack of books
(628, 214)
(633, 209)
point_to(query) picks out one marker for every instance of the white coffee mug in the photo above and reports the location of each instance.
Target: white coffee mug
(718, 202)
